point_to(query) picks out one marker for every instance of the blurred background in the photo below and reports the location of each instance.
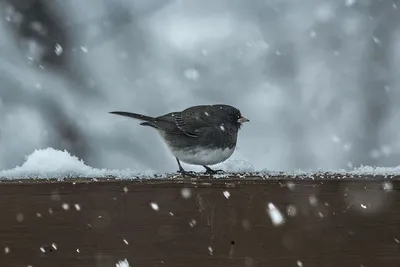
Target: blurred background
(318, 79)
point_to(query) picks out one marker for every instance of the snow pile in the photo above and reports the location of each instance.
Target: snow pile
(51, 163)
(368, 170)
(236, 166)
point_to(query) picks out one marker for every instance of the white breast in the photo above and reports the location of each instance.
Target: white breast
(200, 156)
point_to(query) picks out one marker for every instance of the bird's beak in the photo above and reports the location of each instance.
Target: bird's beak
(243, 119)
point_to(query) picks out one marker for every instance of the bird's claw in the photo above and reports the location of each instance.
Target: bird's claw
(211, 171)
(187, 173)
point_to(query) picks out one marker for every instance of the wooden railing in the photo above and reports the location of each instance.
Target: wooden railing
(326, 220)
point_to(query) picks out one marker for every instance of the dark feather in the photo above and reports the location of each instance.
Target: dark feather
(181, 125)
(133, 115)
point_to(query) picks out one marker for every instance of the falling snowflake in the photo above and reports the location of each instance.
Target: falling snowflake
(84, 49)
(186, 193)
(313, 200)
(376, 40)
(210, 250)
(20, 217)
(226, 194)
(123, 263)
(193, 223)
(335, 139)
(387, 186)
(350, 2)
(291, 210)
(58, 49)
(290, 185)
(65, 206)
(154, 206)
(275, 215)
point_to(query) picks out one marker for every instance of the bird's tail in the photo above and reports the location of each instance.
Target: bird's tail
(148, 120)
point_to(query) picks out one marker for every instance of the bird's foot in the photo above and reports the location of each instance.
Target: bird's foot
(187, 173)
(211, 171)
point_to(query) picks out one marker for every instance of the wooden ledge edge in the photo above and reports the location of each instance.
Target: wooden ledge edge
(236, 178)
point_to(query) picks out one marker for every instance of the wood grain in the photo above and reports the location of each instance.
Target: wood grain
(201, 222)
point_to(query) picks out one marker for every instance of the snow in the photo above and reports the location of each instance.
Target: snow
(350, 2)
(210, 250)
(192, 223)
(123, 263)
(226, 194)
(58, 49)
(51, 163)
(84, 49)
(186, 193)
(20, 217)
(291, 210)
(275, 215)
(313, 200)
(387, 186)
(154, 206)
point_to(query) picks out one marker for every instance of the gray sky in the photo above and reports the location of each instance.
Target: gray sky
(318, 80)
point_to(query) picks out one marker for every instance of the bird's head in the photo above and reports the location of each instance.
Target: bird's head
(231, 115)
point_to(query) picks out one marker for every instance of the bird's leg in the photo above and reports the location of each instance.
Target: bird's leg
(183, 172)
(211, 171)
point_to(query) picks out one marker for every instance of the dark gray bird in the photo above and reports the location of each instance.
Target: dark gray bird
(199, 135)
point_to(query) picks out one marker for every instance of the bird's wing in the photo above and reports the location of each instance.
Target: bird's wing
(195, 120)
(175, 123)
(182, 125)
(191, 122)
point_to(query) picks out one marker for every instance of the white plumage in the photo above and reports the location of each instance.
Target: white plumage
(201, 156)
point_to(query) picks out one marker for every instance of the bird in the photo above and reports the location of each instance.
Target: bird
(199, 135)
